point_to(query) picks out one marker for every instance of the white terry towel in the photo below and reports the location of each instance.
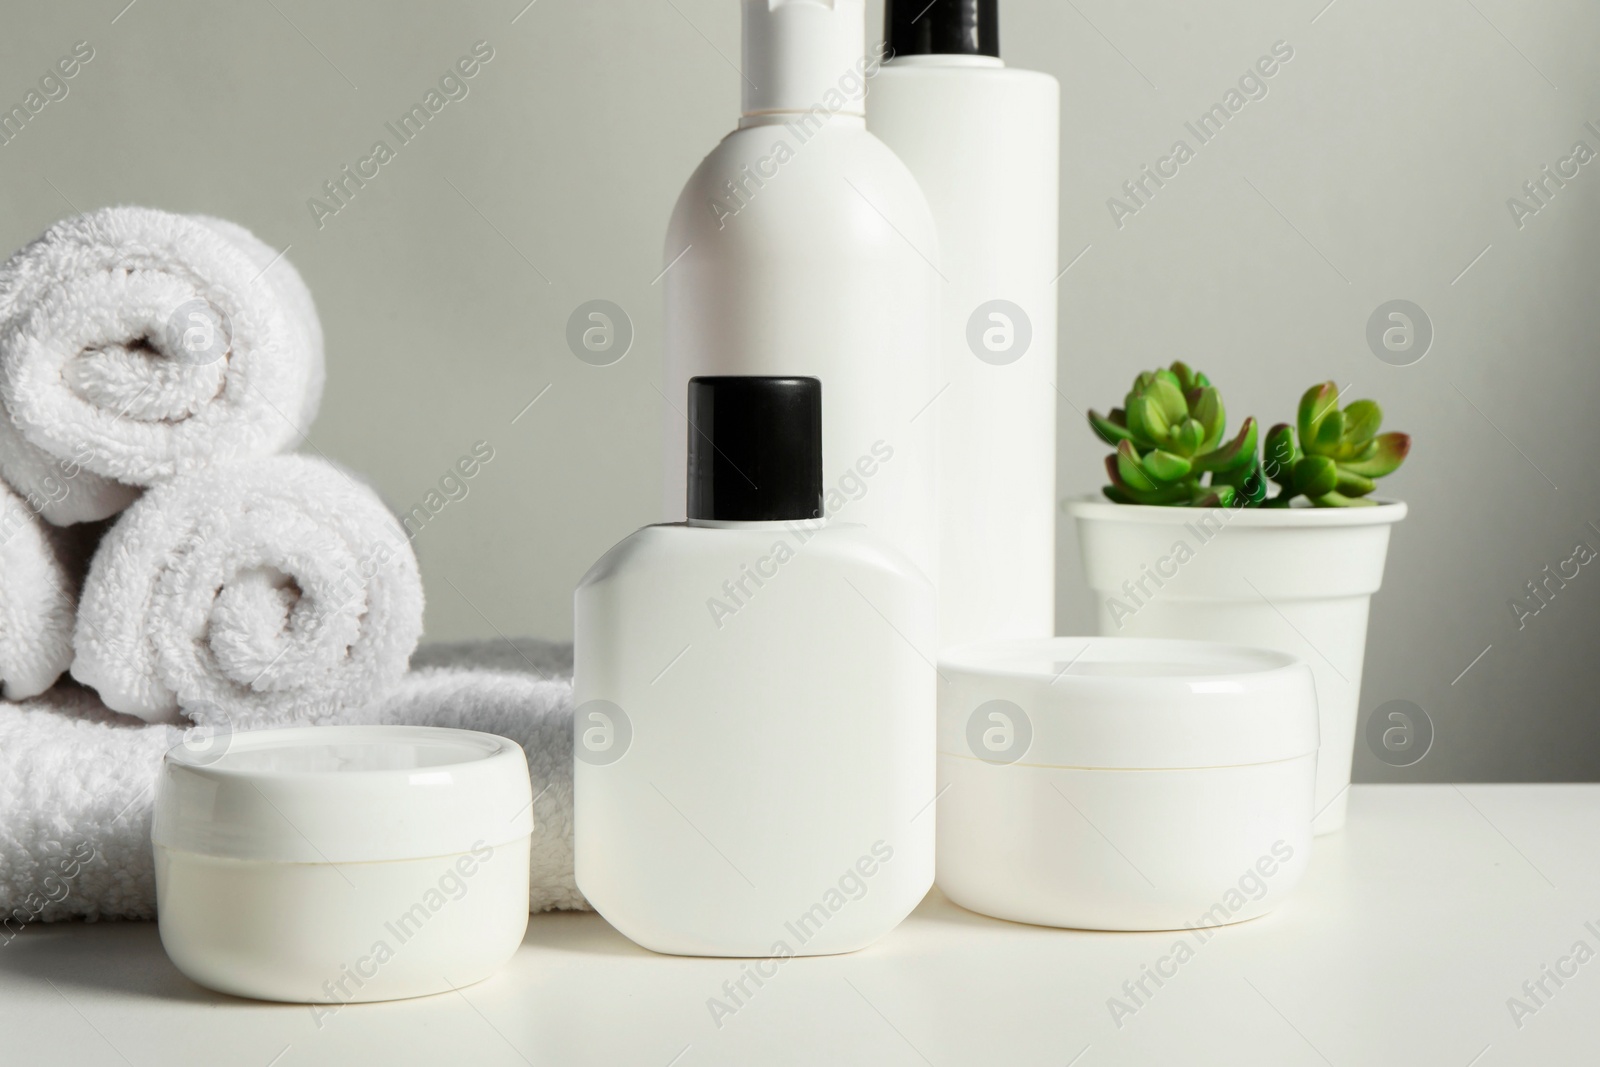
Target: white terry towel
(41, 568)
(76, 791)
(521, 690)
(257, 593)
(77, 782)
(136, 345)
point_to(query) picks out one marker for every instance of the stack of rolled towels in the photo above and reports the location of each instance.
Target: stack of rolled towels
(157, 539)
(160, 544)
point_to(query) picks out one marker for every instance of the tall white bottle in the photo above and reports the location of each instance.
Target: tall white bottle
(803, 246)
(754, 731)
(983, 140)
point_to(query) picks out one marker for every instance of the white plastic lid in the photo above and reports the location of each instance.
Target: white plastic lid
(1128, 703)
(343, 794)
(804, 54)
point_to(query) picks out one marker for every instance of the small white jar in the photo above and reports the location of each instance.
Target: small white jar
(337, 864)
(1123, 784)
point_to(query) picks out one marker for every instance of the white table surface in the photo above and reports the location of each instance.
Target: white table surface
(1410, 933)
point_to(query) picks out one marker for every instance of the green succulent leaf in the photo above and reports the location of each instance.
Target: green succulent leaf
(1339, 500)
(1361, 422)
(1236, 453)
(1254, 484)
(1117, 496)
(1166, 392)
(1145, 491)
(1189, 379)
(1315, 405)
(1358, 455)
(1351, 484)
(1206, 404)
(1163, 466)
(1330, 431)
(1250, 481)
(1150, 427)
(1169, 496)
(1111, 428)
(1130, 471)
(1279, 454)
(1315, 476)
(1114, 472)
(1188, 437)
(1217, 496)
(1391, 451)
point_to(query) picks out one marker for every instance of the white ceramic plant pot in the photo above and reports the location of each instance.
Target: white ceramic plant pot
(1297, 579)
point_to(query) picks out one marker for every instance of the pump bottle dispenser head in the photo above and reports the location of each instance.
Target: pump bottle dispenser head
(943, 27)
(798, 52)
(755, 449)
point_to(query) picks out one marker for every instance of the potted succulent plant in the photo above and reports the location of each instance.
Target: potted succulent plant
(1193, 542)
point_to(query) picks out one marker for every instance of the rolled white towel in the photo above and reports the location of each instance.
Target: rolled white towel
(41, 568)
(77, 782)
(136, 345)
(269, 591)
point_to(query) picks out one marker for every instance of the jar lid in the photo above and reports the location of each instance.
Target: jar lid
(1125, 703)
(343, 794)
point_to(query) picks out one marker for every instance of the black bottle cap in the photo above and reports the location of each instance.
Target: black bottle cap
(942, 27)
(755, 449)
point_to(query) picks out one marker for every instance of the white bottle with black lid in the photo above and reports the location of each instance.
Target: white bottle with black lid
(802, 246)
(983, 141)
(755, 703)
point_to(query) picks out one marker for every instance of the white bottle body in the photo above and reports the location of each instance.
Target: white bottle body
(823, 265)
(983, 141)
(766, 789)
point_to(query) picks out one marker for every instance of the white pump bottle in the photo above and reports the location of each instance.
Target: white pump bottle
(803, 246)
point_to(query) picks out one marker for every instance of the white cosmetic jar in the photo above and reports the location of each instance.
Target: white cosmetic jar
(1124, 784)
(336, 864)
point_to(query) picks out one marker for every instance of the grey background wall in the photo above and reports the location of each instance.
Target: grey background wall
(1378, 166)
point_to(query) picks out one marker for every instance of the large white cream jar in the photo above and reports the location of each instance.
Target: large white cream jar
(1124, 784)
(335, 864)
